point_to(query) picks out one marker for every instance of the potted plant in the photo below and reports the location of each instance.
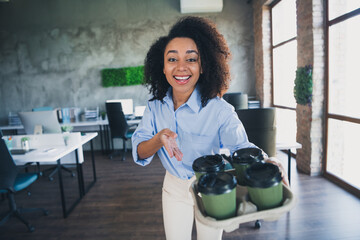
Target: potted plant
(66, 129)
(103, 115)
(25, 143)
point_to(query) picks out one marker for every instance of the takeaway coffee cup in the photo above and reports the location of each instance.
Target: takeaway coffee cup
(218, 194)
(244, 158)
(264, 186)
(207, 164)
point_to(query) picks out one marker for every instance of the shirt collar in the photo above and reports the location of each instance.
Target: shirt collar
(194, 102)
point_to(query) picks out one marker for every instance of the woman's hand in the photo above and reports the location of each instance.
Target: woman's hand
(168, 139)
(282, 169)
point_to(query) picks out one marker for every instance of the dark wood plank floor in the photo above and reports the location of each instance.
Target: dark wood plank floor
(125, 203)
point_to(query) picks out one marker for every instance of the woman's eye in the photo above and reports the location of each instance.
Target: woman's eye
(192, 60)
(172, 59)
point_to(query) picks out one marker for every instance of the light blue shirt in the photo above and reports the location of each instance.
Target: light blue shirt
(201, 131)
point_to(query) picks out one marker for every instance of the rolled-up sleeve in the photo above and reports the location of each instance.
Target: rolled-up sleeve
(143, 132)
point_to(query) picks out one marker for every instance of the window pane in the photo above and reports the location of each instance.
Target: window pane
(284, 21)
(284, 72)
(343, 151)
(340, 7)
(344, 58)
(285, 125)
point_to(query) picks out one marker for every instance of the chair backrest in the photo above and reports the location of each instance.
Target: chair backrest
(260, 126)
(238, 100)
(117, 122)
(8, 170)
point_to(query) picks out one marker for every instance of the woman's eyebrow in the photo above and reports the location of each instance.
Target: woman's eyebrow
(192, 51)
(187, 52)
(171, 51)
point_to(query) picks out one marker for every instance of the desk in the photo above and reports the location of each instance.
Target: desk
(288, 146)
(55, 142)
(99, 125)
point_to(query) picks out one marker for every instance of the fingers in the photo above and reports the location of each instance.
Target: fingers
(281, 168)
(168, 138)
(178, 154)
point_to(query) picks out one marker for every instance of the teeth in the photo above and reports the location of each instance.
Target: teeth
(181, 78)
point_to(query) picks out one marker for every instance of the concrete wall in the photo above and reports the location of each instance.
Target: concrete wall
(51, 52)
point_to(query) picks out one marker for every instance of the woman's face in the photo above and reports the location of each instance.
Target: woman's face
(182, 65)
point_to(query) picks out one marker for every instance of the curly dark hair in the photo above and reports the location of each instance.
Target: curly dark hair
(214, 55)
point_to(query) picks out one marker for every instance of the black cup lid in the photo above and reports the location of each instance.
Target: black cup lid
(248, 155)
(262, 175)
(209, 163)
(216, 183)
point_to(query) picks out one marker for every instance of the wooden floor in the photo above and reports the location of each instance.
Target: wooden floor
(125, 203)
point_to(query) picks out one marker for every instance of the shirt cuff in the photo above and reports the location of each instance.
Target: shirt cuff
(141, 162)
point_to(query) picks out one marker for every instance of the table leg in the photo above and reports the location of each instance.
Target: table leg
(63, 203)
(62, 192)
(101, 139)
(79, 175)
(289, 165)
(94, 169)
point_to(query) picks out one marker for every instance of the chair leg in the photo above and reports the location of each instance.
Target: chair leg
(16, 212)
(54, 170)
(28, 225)
(124, 150)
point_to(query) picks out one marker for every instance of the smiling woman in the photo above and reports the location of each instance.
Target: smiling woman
(187, 72)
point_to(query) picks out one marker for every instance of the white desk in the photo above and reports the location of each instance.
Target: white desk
(288, 146)
(55, 142)
(99, 125)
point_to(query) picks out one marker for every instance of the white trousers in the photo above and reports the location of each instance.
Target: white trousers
(178, 211)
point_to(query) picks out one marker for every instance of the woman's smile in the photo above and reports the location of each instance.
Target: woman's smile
(182, 79)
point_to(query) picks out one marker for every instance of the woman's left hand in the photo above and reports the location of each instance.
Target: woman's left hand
(277, 162)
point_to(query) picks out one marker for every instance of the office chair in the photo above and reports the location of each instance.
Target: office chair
(119, 128)
(11, 181)
(238, 100)
(260, 126)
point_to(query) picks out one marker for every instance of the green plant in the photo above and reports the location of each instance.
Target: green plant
(23, 139)
(66, 128)
(127, 76)
(303, 85)
(103, 115)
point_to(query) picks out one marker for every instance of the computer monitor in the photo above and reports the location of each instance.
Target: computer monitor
(126, 104)
(47, 119)
(139, 111)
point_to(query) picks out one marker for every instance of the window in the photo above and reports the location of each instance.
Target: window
(284, 64)
(343, 84)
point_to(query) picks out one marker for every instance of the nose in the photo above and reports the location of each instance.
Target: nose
(182, 65)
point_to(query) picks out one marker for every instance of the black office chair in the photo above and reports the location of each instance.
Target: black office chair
(119, 127)
(11, 181)
(238, 100)
(260, 126)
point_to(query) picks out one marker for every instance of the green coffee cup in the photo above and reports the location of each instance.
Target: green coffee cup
(218, 194)
(244, 158)
(263, 182)
(208, 164)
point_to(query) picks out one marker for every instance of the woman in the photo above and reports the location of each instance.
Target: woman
(187, 72)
